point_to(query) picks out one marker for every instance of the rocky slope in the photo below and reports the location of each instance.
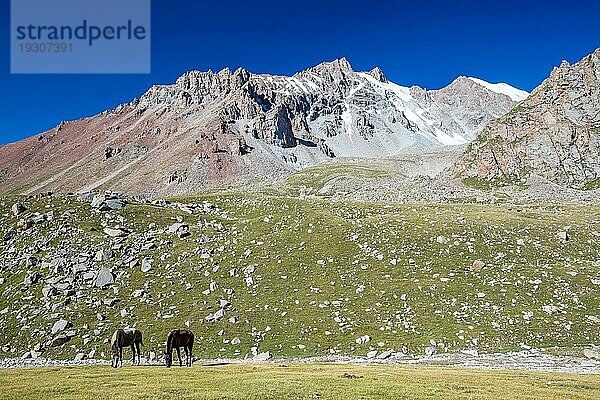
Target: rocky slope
(210, 129)
(252, 276)
(553, 135)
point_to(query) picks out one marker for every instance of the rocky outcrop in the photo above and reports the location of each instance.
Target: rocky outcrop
(554, 135)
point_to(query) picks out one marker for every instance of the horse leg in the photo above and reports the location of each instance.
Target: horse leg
(187, 357)
(179, 356)
(133, 354)
(121, 355)
(137, 345)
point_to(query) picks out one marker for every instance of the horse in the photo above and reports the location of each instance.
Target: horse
(125, 338)
(179, 338)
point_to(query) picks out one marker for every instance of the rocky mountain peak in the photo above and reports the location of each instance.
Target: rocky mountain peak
(211, 128)
(554, 134)
(378, 74)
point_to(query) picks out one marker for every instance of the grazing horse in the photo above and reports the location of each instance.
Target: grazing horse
(179, 338)
(125, 338)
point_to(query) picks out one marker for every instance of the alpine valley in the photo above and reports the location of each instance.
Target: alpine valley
(330, 214)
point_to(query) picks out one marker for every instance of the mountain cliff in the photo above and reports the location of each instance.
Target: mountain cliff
(553, 135)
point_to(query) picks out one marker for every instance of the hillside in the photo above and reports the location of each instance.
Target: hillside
(255, 273)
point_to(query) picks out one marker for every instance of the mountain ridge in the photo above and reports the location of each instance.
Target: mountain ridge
(209, 129)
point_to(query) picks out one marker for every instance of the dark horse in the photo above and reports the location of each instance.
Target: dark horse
(179, 338)
(125, 338)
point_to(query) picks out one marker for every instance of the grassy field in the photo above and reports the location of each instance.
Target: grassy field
(295, 381)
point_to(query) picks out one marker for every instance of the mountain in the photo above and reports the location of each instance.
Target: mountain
(210, 129)
(553, 135)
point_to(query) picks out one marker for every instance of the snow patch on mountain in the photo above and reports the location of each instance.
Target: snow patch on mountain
(503, 88)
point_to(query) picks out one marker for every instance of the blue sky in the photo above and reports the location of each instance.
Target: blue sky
(427, 43)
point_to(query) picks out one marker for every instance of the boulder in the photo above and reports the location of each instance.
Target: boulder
(478, 265)
(60, 325)
(59, 340)
(146, 265)
(18, 209)
(363, 339)
(32, 279)
(385, 355)
(103, 255)
(104, 278)
(591, 354)
(563, 236)
(262, 356)
(115, 232)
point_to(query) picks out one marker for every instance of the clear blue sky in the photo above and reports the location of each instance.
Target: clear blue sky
(427, 43)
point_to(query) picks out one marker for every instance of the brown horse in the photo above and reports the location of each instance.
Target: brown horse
(125, 338)
(179, 338)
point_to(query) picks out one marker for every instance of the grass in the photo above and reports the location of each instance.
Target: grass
(315, 179)
(294, 381)
(326, 274)
(593, 185)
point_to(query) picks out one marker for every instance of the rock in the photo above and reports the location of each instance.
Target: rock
(59, 340)
(262, 356)
(551, 135)
(111, 302)
(87, 197)
(478, 265)
(146, 265)
(31, 279)
(235, 341)
(429, 351)
(372, 354)
(180, 229)
(115, 232)
(104, 278)
(441, 240)
(35, 354)
(592, 354)
(217, 316)
(60, 325)
(563, 236)
(103, 255)
(48, 291)
(363, 339)
(385, 355)
(9, 234)
(91, 354)
(115, 203)
(224, 303)
(98, 201)
(79, 356)
(17, 209)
